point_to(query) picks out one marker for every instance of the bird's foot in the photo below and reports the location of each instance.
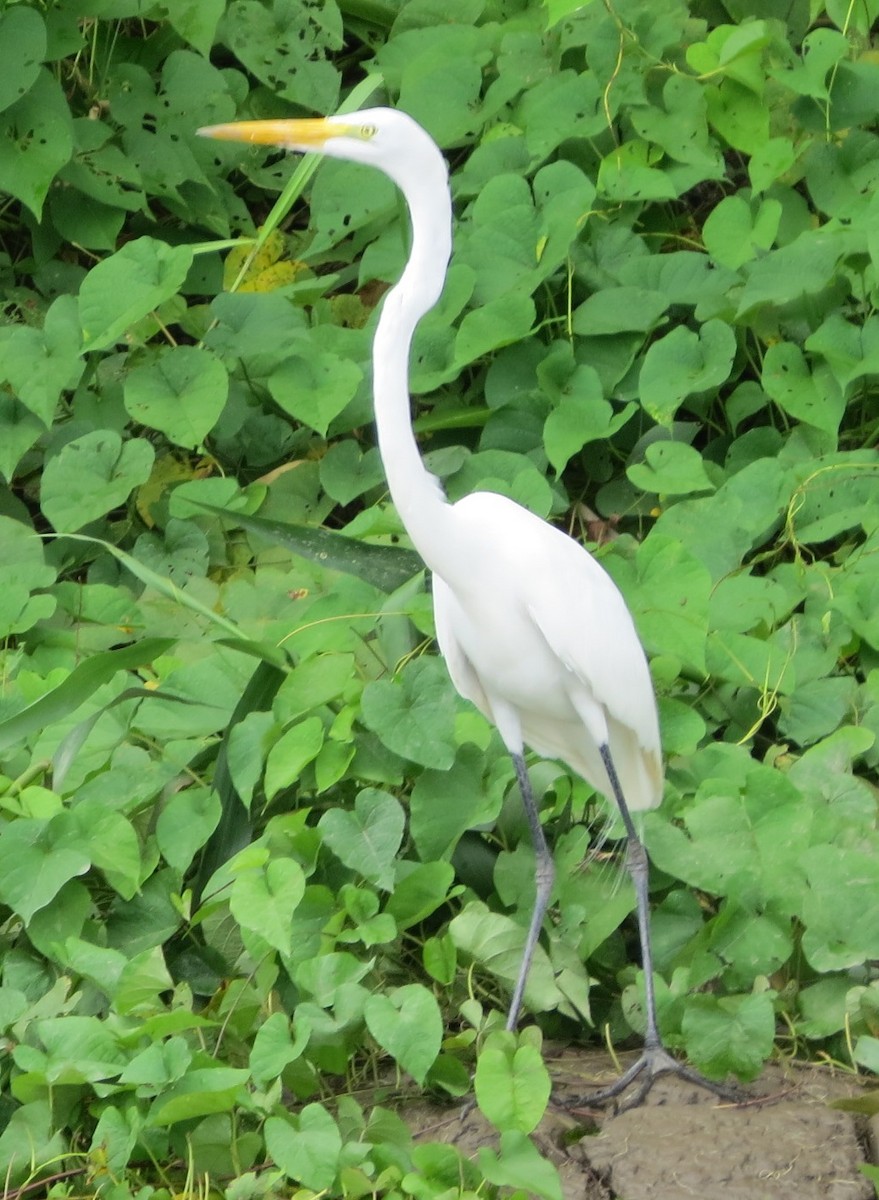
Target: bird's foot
(654, 1061)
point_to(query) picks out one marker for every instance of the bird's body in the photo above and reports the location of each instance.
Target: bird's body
(534, 647)
(533, 630)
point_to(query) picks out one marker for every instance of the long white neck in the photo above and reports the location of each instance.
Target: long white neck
(418, 496)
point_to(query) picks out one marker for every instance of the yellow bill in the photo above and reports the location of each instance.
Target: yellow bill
(298, 134)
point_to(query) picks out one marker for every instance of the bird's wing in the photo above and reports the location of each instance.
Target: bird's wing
(460, 668)
(584, 620)
(587, 625)
(572, 602)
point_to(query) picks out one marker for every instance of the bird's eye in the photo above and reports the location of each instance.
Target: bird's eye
(368, 132)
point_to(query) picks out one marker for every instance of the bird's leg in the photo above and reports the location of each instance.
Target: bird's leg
(544, 873)
(655, 1059)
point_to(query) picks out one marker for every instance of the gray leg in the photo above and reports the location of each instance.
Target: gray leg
(655, 1059)
(544, 878)
(639, 869)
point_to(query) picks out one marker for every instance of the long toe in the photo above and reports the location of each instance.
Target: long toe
(634, 1084)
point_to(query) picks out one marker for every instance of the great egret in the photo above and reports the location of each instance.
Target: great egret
(533, 630)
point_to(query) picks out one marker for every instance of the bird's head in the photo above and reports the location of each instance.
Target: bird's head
(379, 137)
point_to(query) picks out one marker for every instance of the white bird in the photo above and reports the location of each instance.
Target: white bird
(533, 631)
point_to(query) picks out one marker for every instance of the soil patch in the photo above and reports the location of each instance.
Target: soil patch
(684, 1144)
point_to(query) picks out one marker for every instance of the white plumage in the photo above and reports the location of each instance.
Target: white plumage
(533, 630)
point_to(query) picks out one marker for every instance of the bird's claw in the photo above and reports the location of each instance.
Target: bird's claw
(654, 1061)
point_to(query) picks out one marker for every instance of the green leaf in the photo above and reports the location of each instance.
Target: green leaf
(142, 981)
(448, 801)
(79, 1049)
(264, 900)
(62, 918)
(186, 599)
(682, 276)
(500, 322)
(566, 104)
(867, 1053)
(682, 727)
(20, 430)
(124, 288)
(770, 162)
(627, 174)
(512, 1083)
(501, 246)
(496, 942)
(419, 893)
(286, 49)
(82, 682)
(520, 1160)
(385, 567)
(751, 842)
(32, 1135)
(729, 1033)
(41, 363)
(441, 84)
(23, 31)
(850, 350)
(289, 756)
(818, 708)
(181, 393)
(672, 468)
(557, 10)
(582, 415)
(315, 387)
(199, 1093)
(367, 839)
(843, 934)
(415, 714)
(313, 683)
(346, 473)
(37, 131)
(234, 829)
(854, 85)
(804, 268)
(37, 858)
(115, 1137)
(308, 1152)
(92, 475)
(406, 1022)
(685, 363)
(562, 193)
(739, 115)
(112, 846)
(672, 614)
(25, 574)
(816, 399)
(822, 50)
(327, 975)
(680, 127)
(839, 495)
(620, 310)
(737, 231)
(248, 742)
(185, 823)
(196, 21)
(273, 1048)
(159, 1064)
(346, 197)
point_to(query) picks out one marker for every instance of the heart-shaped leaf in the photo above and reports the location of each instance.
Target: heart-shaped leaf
(406, 1022)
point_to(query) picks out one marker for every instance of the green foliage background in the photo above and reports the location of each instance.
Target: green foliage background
(238, 869)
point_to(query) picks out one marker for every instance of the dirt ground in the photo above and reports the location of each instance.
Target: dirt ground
(682, 1143)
